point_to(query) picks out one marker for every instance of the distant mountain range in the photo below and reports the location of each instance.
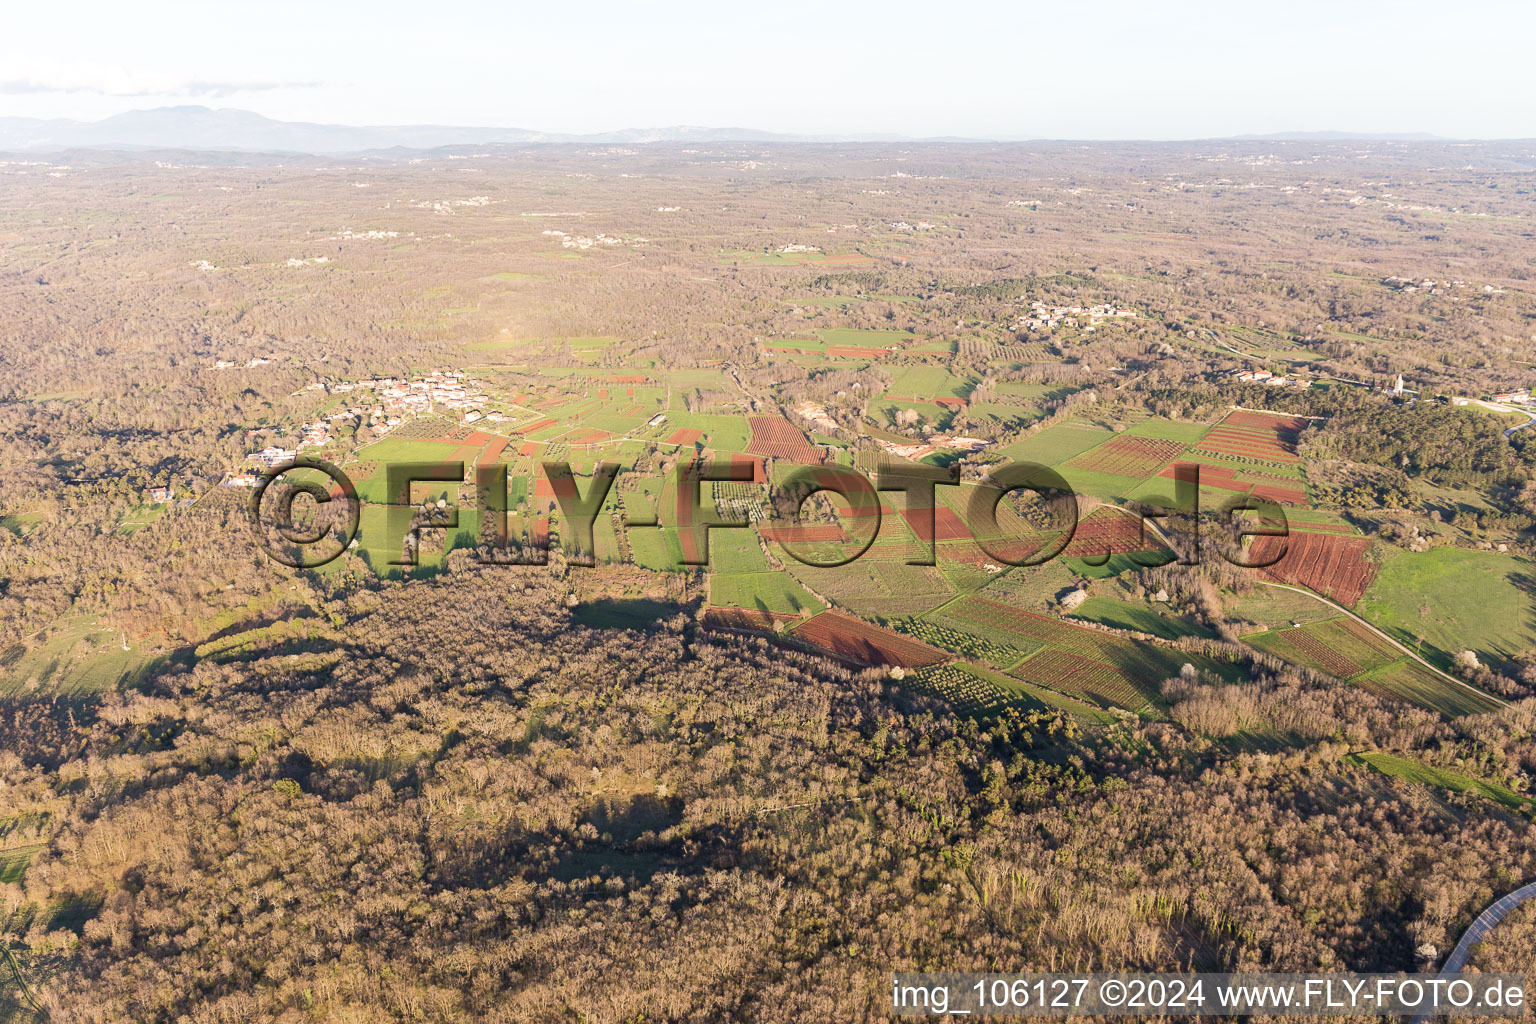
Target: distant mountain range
(203, 128)
(1343, 137)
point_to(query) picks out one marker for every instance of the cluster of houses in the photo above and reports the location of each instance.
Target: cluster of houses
(586, 242)
(450, 390)
(1047, 318)
(902, 225)
(1519, 396)
(1273, 380)
(1410, 285)
(448, 205)
(397, 398)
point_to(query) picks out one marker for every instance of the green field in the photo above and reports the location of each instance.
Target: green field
(656, 548)
(13, 862)
(1272, 608)
(1169, 430)
(847, 337)
(1424, 775)
(924, 381)
(82, 658)
(723, 433)
(1414, 682)
(765, 591)
(1346, 649)
(736, 551)
(1453, 600)
(1057, 444)
(1142, 616)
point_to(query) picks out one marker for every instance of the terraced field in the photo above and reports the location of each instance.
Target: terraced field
(1349, 650)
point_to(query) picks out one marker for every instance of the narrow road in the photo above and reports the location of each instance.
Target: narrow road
(1478, 931)
(1406, 650)
(1510, 432)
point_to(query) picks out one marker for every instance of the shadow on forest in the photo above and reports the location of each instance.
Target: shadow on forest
(625, 613)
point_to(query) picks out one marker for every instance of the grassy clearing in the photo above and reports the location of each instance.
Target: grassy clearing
(1057, 444)
(1442, 778)
(1452, 600)
(736, 551)
(928, 381)
(1141, 616)
(722, 433)
(20, 523)
(765, 591)
(842, 336)
(81, 659)
(656, 548)
(13, 862)
(1272, 608)
(1169, 430)
(1099, 485)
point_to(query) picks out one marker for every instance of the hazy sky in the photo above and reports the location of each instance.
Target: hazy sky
(1106, 69)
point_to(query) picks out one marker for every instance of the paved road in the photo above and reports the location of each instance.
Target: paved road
(1478, 931)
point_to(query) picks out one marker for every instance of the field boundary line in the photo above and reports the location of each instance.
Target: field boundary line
(1406, 650)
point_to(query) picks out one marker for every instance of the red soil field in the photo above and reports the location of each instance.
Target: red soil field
(529, 448)
(777, 437)
(493, 450)
(630, 379)
(759, 467)
(804, 533)
(1327, 563)
(1128, 456)
(602, 393)
(538, 531)
(1285, 492)
(532, 427)
(465, 453)
(851, 352)
(947, 524)
(1103, 531)
(1316, 650)
(1255, 436)
(588, 435)
(860, 642)
(685, 436)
